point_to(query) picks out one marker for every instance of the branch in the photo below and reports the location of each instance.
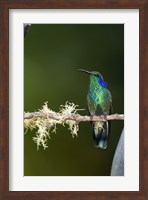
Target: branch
(46, 120)
(75, 117)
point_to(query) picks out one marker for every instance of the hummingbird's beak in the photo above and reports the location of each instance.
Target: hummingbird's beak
(83, 70)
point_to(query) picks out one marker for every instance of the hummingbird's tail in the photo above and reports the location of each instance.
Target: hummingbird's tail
(100, 134)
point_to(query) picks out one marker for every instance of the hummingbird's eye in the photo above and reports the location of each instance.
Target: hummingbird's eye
(101, 82)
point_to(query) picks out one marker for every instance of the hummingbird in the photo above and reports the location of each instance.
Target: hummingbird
(99, 102)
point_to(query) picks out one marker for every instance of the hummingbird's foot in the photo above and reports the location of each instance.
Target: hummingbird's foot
(105, 117)
(91, 118)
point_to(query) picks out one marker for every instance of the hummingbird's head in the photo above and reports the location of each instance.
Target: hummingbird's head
(97, 75)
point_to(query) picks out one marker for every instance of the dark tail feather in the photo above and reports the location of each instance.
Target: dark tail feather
(100, 134)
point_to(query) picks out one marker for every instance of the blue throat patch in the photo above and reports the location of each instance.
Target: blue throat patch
(102, 83)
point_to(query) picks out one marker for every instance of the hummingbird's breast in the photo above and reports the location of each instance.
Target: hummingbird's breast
(99, 99)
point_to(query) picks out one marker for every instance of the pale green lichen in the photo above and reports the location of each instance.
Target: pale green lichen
(68, 109)
(46, 125)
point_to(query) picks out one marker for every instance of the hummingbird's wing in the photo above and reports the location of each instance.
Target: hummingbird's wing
(101, 130)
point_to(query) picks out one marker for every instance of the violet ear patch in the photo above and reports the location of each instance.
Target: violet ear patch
(102, 83)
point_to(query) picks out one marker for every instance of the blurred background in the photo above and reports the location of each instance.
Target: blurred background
(52, 55)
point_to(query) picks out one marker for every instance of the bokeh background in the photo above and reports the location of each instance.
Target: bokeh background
(52, 55)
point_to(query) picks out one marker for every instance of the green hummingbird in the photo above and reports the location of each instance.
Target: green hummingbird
(99, 101)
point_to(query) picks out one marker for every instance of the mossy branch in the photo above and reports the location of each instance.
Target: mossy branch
(75, 117)
(45, 121)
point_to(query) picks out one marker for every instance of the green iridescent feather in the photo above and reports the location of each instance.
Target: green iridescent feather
(99, 102)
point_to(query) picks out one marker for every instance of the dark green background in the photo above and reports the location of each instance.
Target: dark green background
(52, 55)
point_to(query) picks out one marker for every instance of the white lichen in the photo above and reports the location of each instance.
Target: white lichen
(68, 109)
(46, 125)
